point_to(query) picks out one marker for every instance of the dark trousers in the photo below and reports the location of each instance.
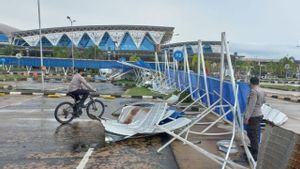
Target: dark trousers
(253, 134)
(81, 92)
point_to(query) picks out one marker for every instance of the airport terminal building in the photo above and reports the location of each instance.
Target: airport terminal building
(124, 40)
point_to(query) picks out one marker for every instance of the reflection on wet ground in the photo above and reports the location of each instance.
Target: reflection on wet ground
(133, 153)
(103, 88)
(80, 135)
(31, 138)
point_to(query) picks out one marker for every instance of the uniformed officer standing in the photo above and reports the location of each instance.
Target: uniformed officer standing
(254, 115)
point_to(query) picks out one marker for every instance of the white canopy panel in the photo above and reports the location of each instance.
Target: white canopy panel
(54, 38)
(96, 36)
(75, 36)
(216, 48)
(180, 48)
(195, 48)
(117, 36)
(137, 37)
(156, 36)
(32, 40)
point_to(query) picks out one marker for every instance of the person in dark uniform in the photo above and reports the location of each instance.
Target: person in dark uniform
(254, 115)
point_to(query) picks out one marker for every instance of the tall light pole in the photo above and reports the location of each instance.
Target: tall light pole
(286, 67)
(259, 64)
(115, 48)
(72, 50)
(41, 47)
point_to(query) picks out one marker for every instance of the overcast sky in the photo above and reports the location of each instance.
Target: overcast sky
(256, 28)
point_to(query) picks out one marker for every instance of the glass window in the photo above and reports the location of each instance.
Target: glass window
(147, 44)
(107, 43)
(85, 42)
(3, 37)
(64, 41)
(127, 43)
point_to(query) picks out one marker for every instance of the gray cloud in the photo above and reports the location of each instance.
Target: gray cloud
(246, 22)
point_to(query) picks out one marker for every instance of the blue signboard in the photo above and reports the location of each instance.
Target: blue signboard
(178, 55)
(2, 60)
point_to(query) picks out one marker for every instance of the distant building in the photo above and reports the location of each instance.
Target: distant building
(123, 40)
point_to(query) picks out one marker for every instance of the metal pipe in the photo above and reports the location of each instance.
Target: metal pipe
(206, 111)
(222, 69)
(41, 47)
(204, 72)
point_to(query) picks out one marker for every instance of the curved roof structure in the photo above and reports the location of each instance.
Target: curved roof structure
(192, 46)
(7, 30)
(158, 34)
(188, 43)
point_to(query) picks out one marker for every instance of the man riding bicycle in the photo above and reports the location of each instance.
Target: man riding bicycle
(79, 87)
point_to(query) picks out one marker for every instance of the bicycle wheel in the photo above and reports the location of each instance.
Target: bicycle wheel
(95, 108)
(64, 112)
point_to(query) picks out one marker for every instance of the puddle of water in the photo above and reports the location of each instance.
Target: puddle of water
(80, 136)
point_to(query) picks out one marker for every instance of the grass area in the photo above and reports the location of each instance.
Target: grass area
(281, 87)
(11, 77)
(125, 82)
(141, 91)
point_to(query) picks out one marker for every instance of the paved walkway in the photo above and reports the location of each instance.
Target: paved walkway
(282, 92)
(188, 158)
(30, 137)
(292, 110)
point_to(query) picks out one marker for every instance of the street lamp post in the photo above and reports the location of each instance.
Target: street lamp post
(72, 47)
(286, 67)
(41, 48)
(259, 69)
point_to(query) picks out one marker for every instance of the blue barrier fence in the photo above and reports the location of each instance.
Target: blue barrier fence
(213, 88)
(61, 62)
(67, 62)
(213, 83)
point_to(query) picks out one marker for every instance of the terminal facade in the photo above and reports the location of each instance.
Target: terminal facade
(123, 40)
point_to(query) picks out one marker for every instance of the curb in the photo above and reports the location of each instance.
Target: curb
(285, 98)
(281, 81)
(5, 87)
(33, 73)
(47, 93)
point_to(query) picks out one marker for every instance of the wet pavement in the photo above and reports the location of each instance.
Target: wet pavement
(291, 110)
(30, 137)
(282, 92)
(58, 86)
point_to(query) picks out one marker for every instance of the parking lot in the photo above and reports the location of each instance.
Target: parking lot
(30, 137)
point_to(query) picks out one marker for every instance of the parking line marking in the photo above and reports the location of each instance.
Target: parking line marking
(37, 94)
(19, 103)
(85, 159)
(24, 110)
(15, 93)
(46, 119)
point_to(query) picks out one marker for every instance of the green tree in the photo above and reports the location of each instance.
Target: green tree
(208, 66)
(61, 52)
(194, 63)
(292, 65)
(8, 50)
(134, 58)
(92, 52)
(272, 68)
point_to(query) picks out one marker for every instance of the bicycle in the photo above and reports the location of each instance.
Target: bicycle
(65, 112)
